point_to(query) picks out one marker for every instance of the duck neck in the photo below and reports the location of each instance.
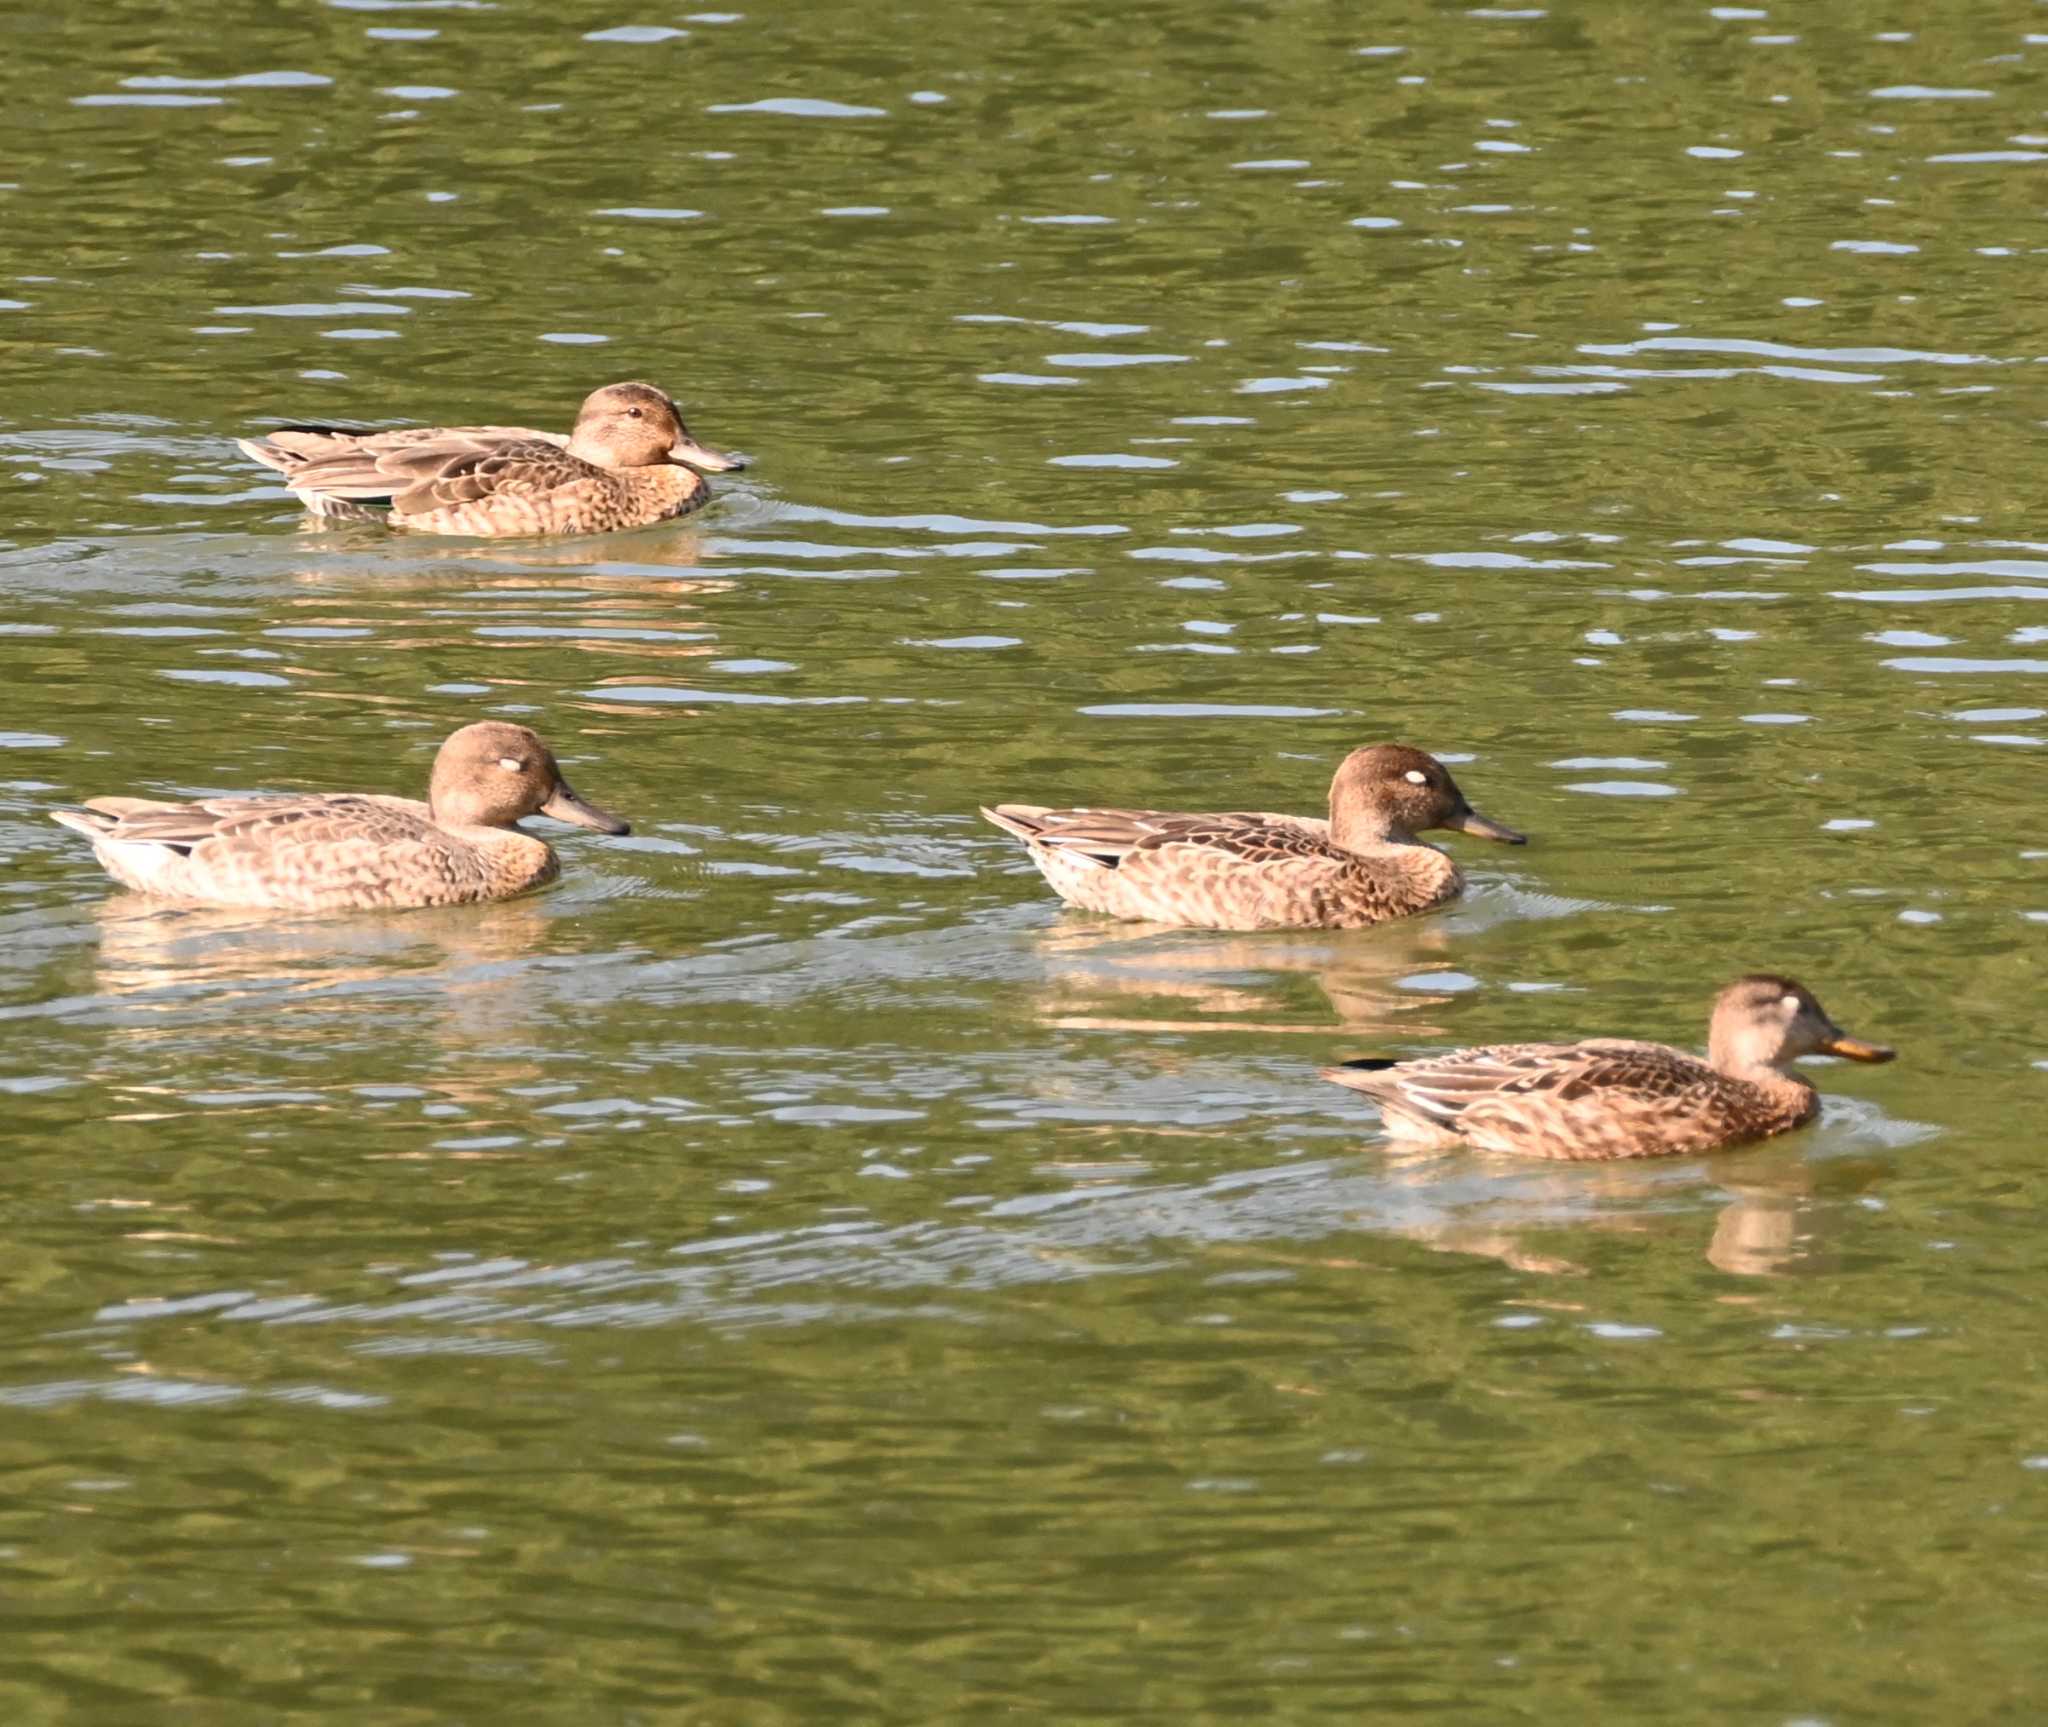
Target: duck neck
(593, 450)
(1739, 1058)
(457, 807)
(1358, 826)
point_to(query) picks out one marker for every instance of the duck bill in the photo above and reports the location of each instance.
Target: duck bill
(690, 454)
(566, 806)
(1470, 821)
(1855, 1049)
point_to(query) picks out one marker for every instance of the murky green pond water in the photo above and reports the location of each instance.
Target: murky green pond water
(790, 1271)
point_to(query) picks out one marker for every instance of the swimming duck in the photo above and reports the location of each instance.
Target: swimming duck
(340, 851)
(1613, 1097)
(1362, 866)
(629, 462)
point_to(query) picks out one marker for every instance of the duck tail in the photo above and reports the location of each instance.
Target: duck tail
(1019, 819)
(1364, 1075)
(257, 450)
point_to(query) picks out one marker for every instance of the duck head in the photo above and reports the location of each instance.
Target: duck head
(1765, 1020)
(1392, 792)
(638, 426)
(493, 774)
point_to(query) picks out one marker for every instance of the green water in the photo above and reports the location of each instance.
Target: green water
(790, 1271)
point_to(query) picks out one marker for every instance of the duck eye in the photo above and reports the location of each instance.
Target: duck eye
(511, 764)
(1416, 777)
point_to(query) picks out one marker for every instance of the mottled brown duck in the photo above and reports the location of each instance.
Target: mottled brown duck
(629, 462)
(341, 851)
(1247, 871)
(1614, 1097)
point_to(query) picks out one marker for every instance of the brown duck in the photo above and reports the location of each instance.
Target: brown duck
(1362, 866)
(352, 850)
(629, 462)
(1613, 1097)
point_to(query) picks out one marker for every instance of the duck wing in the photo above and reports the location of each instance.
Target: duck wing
(429, 474)
(1110, 836)
(1442, 1087)
(267, 823)
(288, 448)
(1246, 836)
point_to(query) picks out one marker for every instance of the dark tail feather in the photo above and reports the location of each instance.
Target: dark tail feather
(1012, 820)
(1353, 1074)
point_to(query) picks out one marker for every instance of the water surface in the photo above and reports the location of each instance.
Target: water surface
(790, 1271)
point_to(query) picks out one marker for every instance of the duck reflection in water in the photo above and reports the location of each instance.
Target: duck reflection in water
(448, 975)
(1777, 1210)
(1159, 978)
(629, 565)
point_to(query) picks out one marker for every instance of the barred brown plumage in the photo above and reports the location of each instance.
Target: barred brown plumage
(1616, 1097)
(629, 462)
(353, 850)
(1255, 870)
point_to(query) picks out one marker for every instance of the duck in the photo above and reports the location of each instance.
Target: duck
(628, 463)
(352, 851)
(1608, 1098)
(1361, 866)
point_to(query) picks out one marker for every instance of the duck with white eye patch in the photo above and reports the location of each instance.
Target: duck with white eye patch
(628, 462)
(339, 851)
(1609, 1098)
(1362, 865)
